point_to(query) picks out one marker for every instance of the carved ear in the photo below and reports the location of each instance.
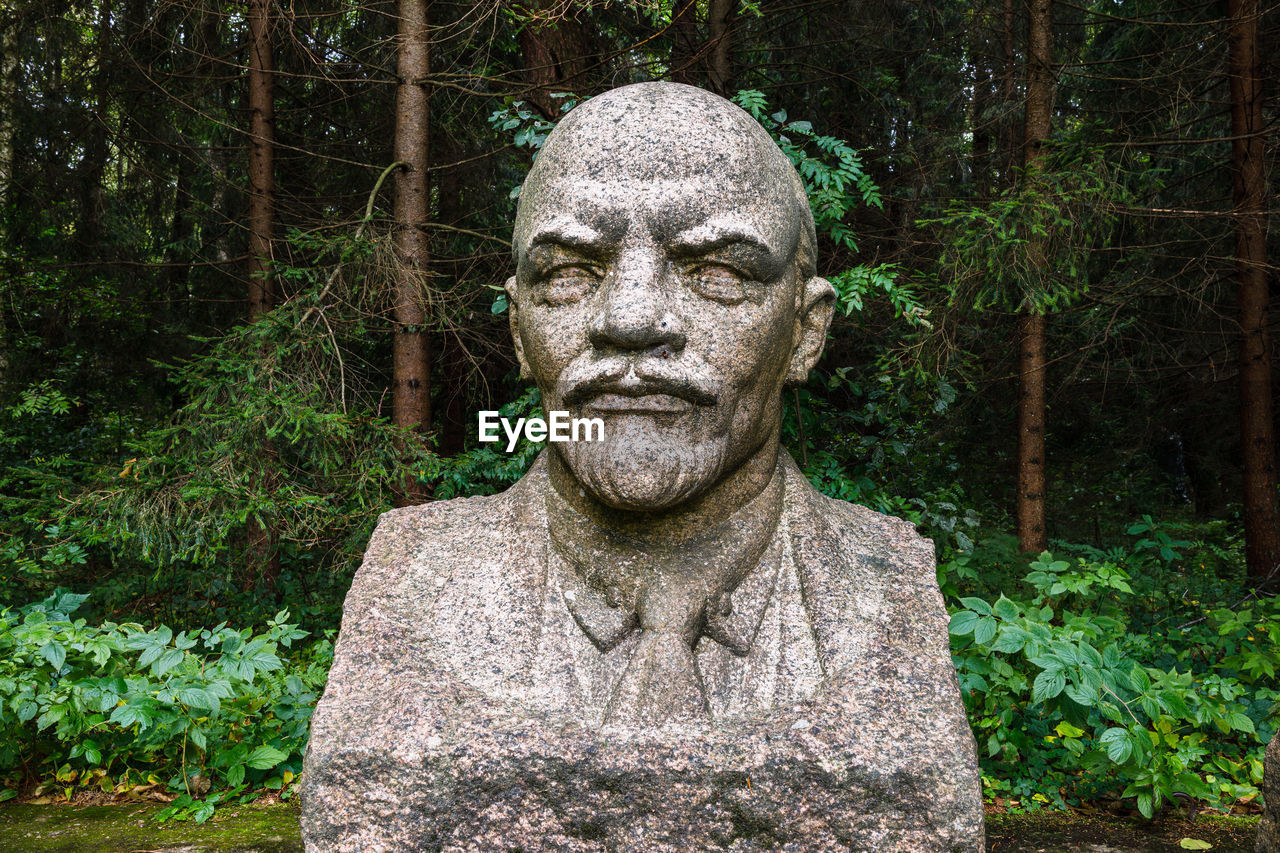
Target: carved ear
(513, 316)
(817, 304)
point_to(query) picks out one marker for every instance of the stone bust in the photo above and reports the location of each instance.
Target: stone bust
(667, 639)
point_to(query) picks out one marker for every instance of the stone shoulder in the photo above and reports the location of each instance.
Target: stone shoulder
(864, 531)
(414, 549)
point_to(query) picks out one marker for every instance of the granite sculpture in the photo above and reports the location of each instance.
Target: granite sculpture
(1268, 840)
(667, 640)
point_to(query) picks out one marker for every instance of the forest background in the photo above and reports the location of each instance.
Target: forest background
(250, 257)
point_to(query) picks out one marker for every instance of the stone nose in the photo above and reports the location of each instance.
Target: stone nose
(635, 312)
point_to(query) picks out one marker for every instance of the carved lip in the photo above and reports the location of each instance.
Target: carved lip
(655, 393)
(628, 401)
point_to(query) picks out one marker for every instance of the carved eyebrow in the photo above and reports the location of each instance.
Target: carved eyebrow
(572, 235)
(708, 237)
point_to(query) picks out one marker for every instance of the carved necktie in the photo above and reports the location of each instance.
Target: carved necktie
(661, 681)
(673, 594)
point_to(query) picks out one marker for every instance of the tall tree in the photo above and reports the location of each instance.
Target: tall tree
(93, 163)
(411, 380)
(262, 119)
(8, 100)
(684, 42)
(557, 50)
(1032, 325)
(1249, 193)
(719, 65)
(262, 555)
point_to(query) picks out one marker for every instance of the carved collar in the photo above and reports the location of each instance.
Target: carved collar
(606, 571)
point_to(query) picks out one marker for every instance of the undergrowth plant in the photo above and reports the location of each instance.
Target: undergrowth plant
(206, 715)
(1070, 700)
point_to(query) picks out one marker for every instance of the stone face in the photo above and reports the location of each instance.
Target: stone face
(666, 640)
(1269, 828)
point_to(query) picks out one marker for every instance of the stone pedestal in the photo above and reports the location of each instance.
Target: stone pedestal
(1269, 829)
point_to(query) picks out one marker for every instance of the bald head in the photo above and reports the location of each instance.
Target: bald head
(643, 141)
(664, 283)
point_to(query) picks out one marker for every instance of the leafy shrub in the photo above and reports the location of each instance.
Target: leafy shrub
(1068, 702)
(118, 707)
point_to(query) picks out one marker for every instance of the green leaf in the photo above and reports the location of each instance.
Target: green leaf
(265, 757)
(1117, 743)
(1005, 609)
(1145, 805)
(1065, 729)
(167, 661)
(1010, 640)
(985, 630)
(1240, 722)
(1177, 706)
(199, 698)
(963, 623)
(55, 654)
(51, 716)
(1047, 685)
(1194, 844)
(977, 605)
(126, 715)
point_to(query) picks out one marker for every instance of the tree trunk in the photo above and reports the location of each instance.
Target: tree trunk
(1039, 80)
(1031, 368)
(556, 53)
(1031, 422)
(411, 386)
(1009, 145)
(261, 158)
(8, 101)
(684, 43)
(93, 165)
(262, 557)
(719, 67)
(1249, 190)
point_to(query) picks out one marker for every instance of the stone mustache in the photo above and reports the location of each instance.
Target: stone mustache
(666, 640)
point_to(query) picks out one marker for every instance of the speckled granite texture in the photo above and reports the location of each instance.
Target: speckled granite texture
(1269, 828)
(666, 640)
(425, 741)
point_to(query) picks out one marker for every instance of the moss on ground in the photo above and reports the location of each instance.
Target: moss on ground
(111, 829)
(274, 829)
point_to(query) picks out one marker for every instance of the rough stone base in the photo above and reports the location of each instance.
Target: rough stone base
(1269, 829)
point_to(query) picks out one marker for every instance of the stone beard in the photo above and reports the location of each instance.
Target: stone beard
(635, 467)
(666, 640)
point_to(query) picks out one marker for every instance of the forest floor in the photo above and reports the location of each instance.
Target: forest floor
(274, 829)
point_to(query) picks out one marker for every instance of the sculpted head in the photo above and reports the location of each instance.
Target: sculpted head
(665, 284)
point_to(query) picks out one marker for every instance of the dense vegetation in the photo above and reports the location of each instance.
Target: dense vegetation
(228, 341)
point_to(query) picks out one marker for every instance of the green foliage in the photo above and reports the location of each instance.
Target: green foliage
(121, 708)
(833, 174)
(1036, 243)
(836, 182)
(1068, 701)
(486, 469)
(280, 429)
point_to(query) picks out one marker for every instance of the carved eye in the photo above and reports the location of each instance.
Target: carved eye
(568, 283)
(718, 282)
